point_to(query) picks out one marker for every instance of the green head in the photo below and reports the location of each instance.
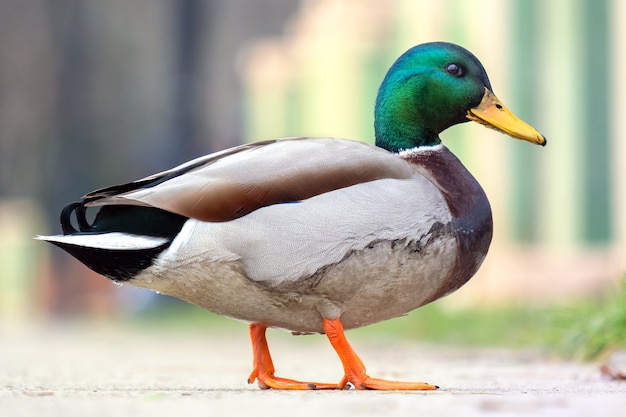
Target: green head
(432, 87)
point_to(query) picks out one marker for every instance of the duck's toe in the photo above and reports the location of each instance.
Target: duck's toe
(267, 381)
(368, 382)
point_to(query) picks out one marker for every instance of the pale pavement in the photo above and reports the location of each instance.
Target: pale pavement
(110, 370)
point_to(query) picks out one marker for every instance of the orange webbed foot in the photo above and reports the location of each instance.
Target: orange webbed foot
(267, 381)
(354, 368)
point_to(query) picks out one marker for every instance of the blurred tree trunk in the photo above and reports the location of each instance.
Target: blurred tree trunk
(74, 151)
(190, 17)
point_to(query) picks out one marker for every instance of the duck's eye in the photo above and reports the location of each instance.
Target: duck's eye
(454, 69)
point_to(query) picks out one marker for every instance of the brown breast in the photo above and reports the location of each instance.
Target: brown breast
(468, 205)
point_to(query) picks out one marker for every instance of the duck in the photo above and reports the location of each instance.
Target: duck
(314, 234)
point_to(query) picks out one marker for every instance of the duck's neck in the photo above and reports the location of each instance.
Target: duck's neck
(400, 119)
(395, 137)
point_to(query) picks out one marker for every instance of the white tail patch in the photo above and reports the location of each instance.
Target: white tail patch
(110, 241)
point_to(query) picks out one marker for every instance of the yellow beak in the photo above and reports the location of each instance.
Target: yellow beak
(493, 114)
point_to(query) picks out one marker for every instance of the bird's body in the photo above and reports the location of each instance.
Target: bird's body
(310, 234)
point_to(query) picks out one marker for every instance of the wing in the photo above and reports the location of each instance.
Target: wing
(232, 183)
(286, 242)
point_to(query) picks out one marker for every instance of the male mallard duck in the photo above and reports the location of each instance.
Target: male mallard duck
(314, 235)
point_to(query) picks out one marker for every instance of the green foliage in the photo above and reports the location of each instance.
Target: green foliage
(514, 326)
(589, 329)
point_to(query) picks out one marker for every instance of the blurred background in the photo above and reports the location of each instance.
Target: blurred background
(99, 93)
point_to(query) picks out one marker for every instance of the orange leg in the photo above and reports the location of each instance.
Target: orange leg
(353, 366)
(264, 367)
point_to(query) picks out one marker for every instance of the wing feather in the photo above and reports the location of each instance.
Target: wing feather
(232, 183)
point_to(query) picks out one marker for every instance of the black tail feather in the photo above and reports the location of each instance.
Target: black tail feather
(118, 264)
(139, 220)
(77, 207)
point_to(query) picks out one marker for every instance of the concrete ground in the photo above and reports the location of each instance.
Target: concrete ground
(107, 370)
